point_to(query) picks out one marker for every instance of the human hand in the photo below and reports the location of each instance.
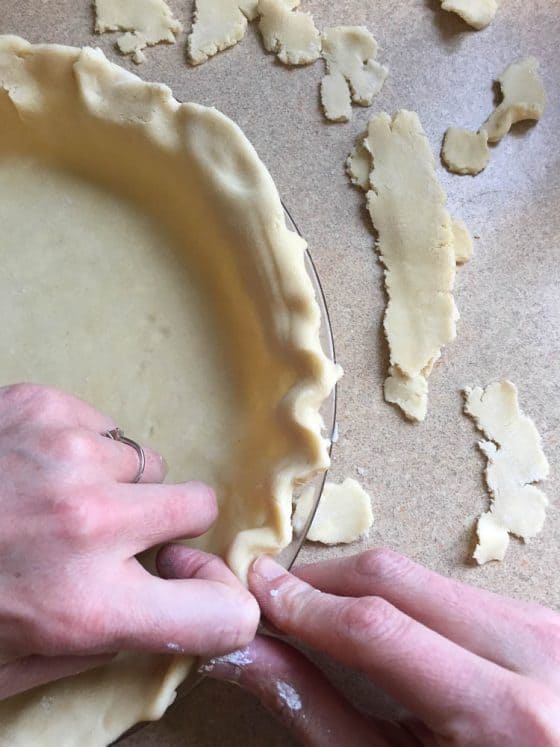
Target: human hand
(473, 668)
(71, 589)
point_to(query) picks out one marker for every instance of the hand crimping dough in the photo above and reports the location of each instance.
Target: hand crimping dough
(353, 75)
(293, 37)
(465, 152)
(416, 245)
(147, 22)
(217, 25)
(523, 98)
(477, 13)
(515, 461)
(146, 266)
(343, 515)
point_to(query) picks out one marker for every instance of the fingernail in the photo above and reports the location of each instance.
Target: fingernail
(267, 568)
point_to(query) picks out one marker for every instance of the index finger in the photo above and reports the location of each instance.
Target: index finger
(433, 677)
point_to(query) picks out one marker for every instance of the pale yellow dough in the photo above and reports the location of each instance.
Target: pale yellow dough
(217, 25)
(464, 151)
(343, 515)
(147, 22)
(417, 246)
(353, 74)
(523, 98)
(292, 36)
(147, 267)
(462, 241)
(515, 461)
(477, 13)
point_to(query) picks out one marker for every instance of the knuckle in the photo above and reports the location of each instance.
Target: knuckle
(372, 619)
(72, 446)
(383, 564)
(78, 520)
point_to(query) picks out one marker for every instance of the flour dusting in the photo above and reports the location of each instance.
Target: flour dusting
(274, 592)
(288, 695)
(175, 648)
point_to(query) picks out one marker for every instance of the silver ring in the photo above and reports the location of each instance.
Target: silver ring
(115, 434)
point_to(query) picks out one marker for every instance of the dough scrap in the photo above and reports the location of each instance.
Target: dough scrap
(417, 246)
(292, 36)
(477, 13)
(462, 241)
(134, 176)
(523, 98)
(515, 461)
(465, 152)
(147, 22)
(353, 75)
(343, 515)
(217, 25)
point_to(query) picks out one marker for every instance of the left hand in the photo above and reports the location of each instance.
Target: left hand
(473, 668)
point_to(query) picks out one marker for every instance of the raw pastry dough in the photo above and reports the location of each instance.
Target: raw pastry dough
(515, 461)
(147, 22)
(292, 36)
(217, 25)
(465, 152)
(477, 13)
(353, 75)
(524, 98)
(147, 266)
(462, 241)
(416, 245)
(343, 515)
(359, 164)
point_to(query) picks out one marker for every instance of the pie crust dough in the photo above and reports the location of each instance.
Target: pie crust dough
(343, 515)
(462, 241)
(417, 246)
(292, 36)
(147, 22)
(115, 178)
(466, 152)
(353, 74)
(477, 13)
(217, 25)
(515, 461)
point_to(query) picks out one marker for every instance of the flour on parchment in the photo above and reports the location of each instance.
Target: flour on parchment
(344, 513)
(477, 13)
(417, 246)
(466, 152)
(515, 461)
(353, 74)
(217, 25)
(147, 22)
(291, 35)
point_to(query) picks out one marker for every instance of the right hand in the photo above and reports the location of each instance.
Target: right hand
(72, 592)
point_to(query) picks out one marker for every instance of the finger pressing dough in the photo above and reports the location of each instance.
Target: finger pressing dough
(515, 461)
(466, 152)
(146, 266)
(292, 36)
(353, 75)
(417, 246)
(147, 22)
(477, 13)
(343, 515)
(217, 25)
